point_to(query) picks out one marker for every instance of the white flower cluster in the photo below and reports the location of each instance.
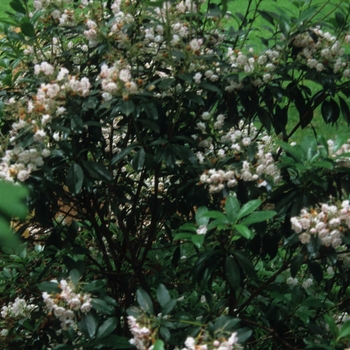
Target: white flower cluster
(319, 50)
(341, 155)
(116, 80)
(327, 223)
(260, 68)
(20, 308)
(65, 305)
(235, 144)
(142, 335)
(203, 343)
(305, 284)
(18, 163)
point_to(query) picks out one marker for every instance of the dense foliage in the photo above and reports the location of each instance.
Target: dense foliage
(167, 206)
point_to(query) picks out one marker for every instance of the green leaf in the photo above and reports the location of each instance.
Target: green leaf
(163, 295)
(12, 202)
(74, 275)
(232, 207)
(216, 215)
(116, 342)
(197, 240)
(200, 219)
(243, 334)
(339, 141)
(169, 307)
(332, 326)
(296, 152)
(17, 6)
(344, 330)
(159, 344)
(330, 111)
(244, 231)
(232, 273)
(139, 159)
(144, 301)
(295, 264)
(245, 263)
(28, 29)
(249, 208)
(127, 107)
(316, 270)
(94, 286)
(345, 110)
(88, 325)
(107, 327)
(258, 216)
(210, 87)
(49, 287)
(101, 305)
(164, 332)
(75, 178)
(123, 153)
(98, 171)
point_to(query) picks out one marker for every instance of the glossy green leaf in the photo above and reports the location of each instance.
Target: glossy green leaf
(165, 333)
(200, 218)
(316, 270)
(13, 200)
(127, 107)
(296, 152)
(49, 287)
(248, 208)
(97, 171)
(28, 29)
(163, 295)
(116, 342)
(159, 344)
(75, 178)
(107, 327)
(123, 153)
(244, 334)
(169, 307)
(232, 273)
(144, 301)
(95, 286)
(344, 330)
(332, 326)
(244, 262)
(330, 111)
(198, 240)
(345, 110)
(244, 231)
(296, 264)
(139, 159)
(88, 325)
(17, 6)
(232, 207)
(258, 216)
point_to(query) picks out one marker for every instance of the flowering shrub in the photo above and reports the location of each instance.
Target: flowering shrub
(164, 191)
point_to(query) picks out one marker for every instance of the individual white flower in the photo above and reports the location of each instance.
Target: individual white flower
(86, 307)
(202, 230)
(39, 135)
(59, 311)
(197, 78)
(190, 343)
(306, 284)
(292, 281)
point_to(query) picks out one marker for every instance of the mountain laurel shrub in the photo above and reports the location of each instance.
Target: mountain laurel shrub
(167, 207)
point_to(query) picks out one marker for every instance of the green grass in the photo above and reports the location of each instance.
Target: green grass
(4, 7)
